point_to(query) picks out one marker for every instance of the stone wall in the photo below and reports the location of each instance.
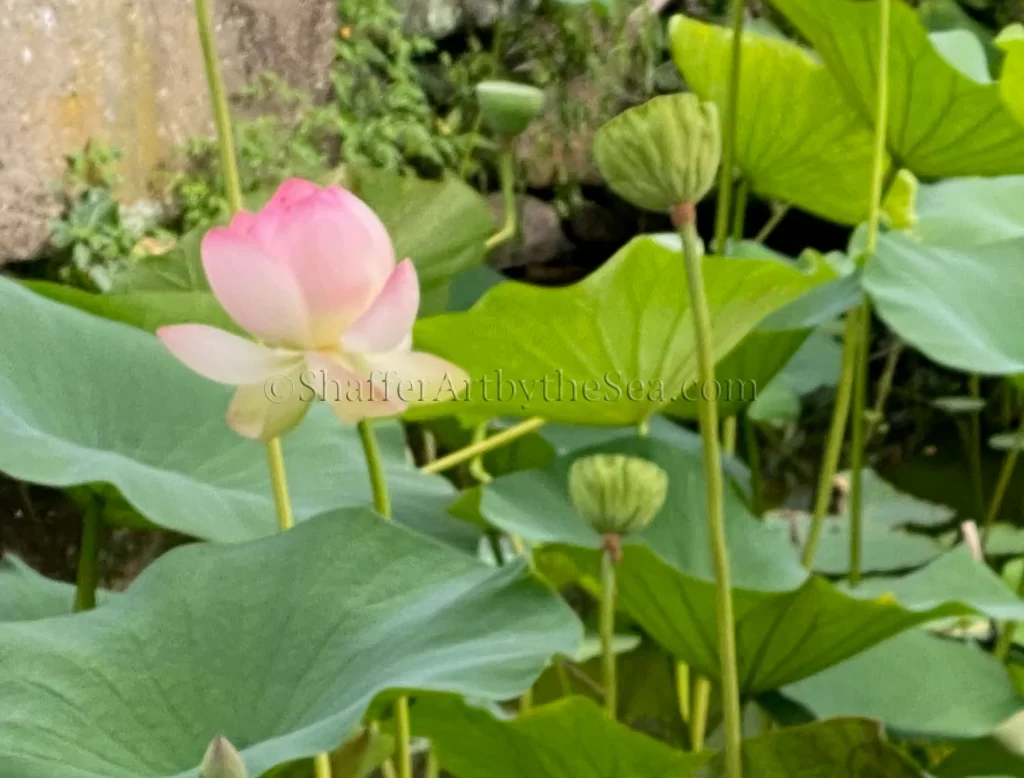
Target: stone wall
(128, 72)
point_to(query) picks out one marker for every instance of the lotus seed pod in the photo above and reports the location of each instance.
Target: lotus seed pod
(222, 760)
(508, 108)
(617, 494)
(661, 154)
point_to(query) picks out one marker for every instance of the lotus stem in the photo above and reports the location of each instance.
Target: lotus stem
(1005, 476)
(692, 258)
(607, 628)
(221, 112)
(507, 179)
(861, 345)
(834, 442)
(483, 446)
(87, 579)
(754, 463)
(699, 722)
(729, 124)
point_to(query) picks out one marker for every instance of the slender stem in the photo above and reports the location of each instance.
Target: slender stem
(778, 214)
(382, 504)
(884, 388)
(322, 766)
(729, 435)
(482, 447)
(729, 123)
(563, 676)
(699, 722)
(754, 463)
(834, 442)
(857, 442)
(279, 483)
(974, 448)
(878, 181)
(433, 765)
(375, 468)
(607, 626)
(715, 502)
(476, 464)
(88, 557)
(221, 114)
(1005, 476)
(507, 179)
(739, 216)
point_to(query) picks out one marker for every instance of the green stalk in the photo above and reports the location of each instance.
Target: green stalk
(729, 122)
(507, 179)
(715, 500)
(754, 463)
(778, 214)
(729, 435)
(699, 722)
(739, 215)
(279, 483)
(884, 388)
(974, 448)
(834, 442)
(88, 577)
(1005, 476)
(862, 348)
(382, 504)
(607, 627)
(857, 441)
(483, 446)
(221, 114)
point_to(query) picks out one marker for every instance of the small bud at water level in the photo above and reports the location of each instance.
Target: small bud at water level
(507, 107)
(661, 154)
(617, 494)
(222, 760)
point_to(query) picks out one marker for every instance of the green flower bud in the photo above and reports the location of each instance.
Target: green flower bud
(617, 494)
(222, 760)
(899, 209)
(508, 108)
(661, 154)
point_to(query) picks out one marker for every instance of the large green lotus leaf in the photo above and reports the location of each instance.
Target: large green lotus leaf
(571, 738)
(798, 139)
(814, 365)
(918, 684)
(960, 307)
(535, 505)
(942, 123)
(784, 636)
(86, 400)
(968, 212)
(279, 644)
(610, 350)
(998, 756)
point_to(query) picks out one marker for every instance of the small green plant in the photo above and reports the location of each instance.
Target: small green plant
(96, 236)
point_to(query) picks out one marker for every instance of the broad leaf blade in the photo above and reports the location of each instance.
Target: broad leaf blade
(611, 349)
(918, 684)
(960, 307)
(86, 400)
(279, 644)
(942, 123)
(966, 212)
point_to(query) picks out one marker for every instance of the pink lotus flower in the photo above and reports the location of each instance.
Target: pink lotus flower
(313, 278)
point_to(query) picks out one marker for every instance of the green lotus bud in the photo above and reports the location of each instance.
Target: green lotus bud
(617, 494)
(508, 108)
(661, 154)
(222, 760)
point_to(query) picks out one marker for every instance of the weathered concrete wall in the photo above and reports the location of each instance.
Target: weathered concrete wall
(128, 72)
